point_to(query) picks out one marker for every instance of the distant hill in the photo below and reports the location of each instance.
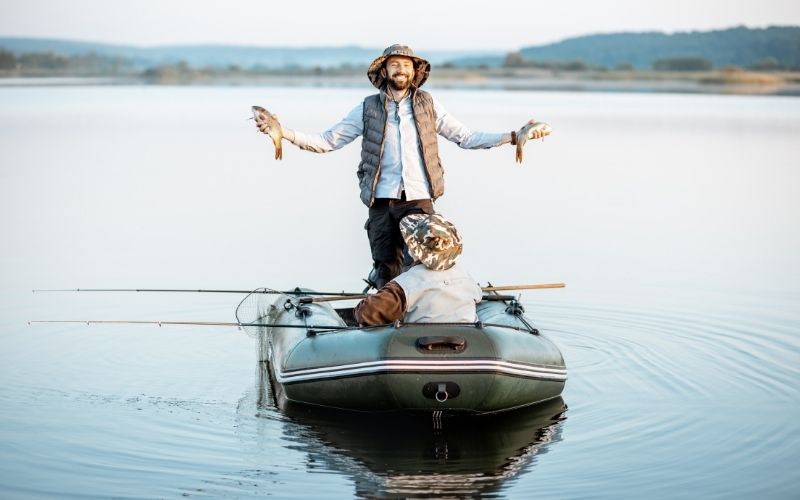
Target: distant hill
(739, 46)
(224, 55)
(745, 47)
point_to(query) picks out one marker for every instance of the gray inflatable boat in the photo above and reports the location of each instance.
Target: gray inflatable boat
(316, 355)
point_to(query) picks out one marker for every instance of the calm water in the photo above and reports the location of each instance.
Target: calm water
(674, 220)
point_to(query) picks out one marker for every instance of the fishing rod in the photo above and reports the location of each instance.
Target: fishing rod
(191, 323)
(353, 295)
(192, 290)
(310, 328)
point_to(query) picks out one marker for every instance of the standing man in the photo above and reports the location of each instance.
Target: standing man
(400, 172)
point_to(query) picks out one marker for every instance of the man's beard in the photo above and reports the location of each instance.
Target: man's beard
(403, 85)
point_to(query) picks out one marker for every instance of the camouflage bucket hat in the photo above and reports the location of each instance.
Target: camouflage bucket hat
(431, 240)
(422, 68)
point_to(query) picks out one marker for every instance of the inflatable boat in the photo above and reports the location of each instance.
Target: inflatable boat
(317, 355)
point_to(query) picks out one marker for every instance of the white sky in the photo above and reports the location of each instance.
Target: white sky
(423, 24)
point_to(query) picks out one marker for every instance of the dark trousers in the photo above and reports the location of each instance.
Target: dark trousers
(389, 253)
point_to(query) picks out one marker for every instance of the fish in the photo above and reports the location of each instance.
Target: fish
(274, 129)
(522, 135)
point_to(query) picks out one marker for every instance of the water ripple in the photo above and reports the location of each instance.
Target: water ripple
(673, 352)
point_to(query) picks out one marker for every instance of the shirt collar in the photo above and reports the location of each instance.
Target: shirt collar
(386, 97)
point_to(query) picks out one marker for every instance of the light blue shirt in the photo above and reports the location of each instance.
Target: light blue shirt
(402, 167)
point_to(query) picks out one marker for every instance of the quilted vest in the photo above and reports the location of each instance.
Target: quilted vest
(375, 114)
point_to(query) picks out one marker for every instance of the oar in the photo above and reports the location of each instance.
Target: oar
(309, 300)
(522, 287)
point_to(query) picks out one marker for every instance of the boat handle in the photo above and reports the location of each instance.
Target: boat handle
(449, 343)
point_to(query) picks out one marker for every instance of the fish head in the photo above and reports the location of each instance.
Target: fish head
(259, 113)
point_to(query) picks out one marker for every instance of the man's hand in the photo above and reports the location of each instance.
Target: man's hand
(269, 124)
(537, 132)
(263, 125)
(529, 131)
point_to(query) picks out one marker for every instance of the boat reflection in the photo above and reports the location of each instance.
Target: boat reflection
(414, 456)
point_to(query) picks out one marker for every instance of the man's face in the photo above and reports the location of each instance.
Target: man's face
(400, 72)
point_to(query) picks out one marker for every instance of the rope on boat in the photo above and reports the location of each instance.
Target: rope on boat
(479, 325)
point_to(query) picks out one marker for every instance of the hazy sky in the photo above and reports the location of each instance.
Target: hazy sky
(423, 24)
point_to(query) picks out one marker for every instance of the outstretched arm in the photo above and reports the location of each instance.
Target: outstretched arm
(453, 130)
(336, 137)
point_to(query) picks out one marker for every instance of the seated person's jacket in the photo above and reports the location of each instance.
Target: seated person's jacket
(425, 296)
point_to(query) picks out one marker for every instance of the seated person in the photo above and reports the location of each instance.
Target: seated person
(435, 289)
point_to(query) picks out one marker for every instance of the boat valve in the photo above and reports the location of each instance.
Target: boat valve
(441, 393)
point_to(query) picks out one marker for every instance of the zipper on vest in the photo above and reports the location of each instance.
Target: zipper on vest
(380, 154)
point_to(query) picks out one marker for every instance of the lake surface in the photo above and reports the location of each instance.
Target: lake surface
(673, 219)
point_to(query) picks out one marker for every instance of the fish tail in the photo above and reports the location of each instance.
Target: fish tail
(276, 141)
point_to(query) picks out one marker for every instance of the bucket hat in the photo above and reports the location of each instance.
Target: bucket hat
(377, 76)
(431, 240)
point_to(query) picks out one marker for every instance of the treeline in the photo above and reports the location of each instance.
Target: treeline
(52, 64)
(94, 65)
(518, 60)
(55, 63)
(773, 48)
